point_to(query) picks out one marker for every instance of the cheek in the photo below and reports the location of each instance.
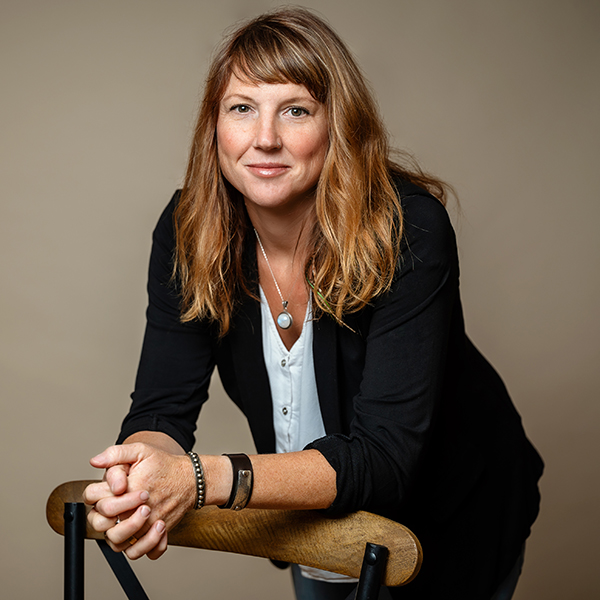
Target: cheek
(228, 156)
(223, 143)
(229, 138)
(316, 150)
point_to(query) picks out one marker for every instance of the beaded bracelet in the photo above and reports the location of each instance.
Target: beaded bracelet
(199, 474)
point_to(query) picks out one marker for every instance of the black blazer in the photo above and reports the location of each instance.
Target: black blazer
(419, 426)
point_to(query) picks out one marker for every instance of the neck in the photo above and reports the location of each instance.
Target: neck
(284, 239)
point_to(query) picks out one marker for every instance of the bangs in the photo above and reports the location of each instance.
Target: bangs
(268, 55)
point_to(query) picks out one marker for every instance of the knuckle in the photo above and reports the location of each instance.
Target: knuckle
(137, 447)
(112, 452)
(89, 493)
(115, 471)
(156, 554)
(133, 554)
(97, 522)
(102, 507)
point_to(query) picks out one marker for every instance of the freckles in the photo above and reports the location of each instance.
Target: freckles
(232, 138)
(224, 134)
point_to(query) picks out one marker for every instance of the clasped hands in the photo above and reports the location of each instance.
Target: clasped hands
(144, 494)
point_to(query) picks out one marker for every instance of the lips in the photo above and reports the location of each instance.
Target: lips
(267, 169)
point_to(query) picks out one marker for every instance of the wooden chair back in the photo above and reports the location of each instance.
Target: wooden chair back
(296, 536)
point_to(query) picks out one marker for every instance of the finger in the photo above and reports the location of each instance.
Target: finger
(99, 522)
(112, 506)
(95, 492)
(160, 549)
(148, 542)
(116, 477)
(118, 455)
(113, 547)
(121, 533)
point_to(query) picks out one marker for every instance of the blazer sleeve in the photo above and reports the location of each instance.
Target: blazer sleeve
(177, 358)
(402, 379)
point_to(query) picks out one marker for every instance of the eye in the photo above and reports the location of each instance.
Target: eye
(241, 108)
(298, 111)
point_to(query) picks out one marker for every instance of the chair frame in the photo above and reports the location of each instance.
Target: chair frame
(377, 550)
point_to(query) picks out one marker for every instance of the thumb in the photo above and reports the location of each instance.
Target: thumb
(127, 454)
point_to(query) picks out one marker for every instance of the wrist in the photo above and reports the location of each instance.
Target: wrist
(156, 439)
(219, 478)
(200, 482)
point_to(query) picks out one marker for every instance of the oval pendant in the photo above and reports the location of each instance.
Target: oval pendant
(284, 320)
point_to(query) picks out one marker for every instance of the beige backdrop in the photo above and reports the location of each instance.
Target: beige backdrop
(98, 98)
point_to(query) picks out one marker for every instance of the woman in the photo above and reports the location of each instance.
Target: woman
(321, 278)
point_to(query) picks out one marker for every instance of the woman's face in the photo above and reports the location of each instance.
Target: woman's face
(272, 140)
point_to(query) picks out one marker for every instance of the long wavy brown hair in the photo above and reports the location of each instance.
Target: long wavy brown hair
(358, 227)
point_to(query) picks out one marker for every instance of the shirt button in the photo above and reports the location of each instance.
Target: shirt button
(284, 410)
(283, 362)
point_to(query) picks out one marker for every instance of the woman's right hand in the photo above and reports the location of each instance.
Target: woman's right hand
(162, 481)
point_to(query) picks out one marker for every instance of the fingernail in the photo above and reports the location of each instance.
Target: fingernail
(144, 496)
(160, 527)
(145, 510)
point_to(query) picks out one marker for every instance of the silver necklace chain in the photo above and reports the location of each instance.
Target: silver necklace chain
(284, 319)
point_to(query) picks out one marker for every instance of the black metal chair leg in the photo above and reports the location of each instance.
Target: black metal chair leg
(74, 557)
(123, 572)
(371, 572)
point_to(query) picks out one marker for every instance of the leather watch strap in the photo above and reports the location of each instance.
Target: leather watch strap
(243, 481)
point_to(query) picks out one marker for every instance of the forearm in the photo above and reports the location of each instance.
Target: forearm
(298, 480)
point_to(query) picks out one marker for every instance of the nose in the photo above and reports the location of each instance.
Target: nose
(267, 134)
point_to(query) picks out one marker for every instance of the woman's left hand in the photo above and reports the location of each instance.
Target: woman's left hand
(156, 480)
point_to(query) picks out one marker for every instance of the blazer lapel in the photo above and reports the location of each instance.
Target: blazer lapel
(251, 372)
(249, 364)
(325, 359)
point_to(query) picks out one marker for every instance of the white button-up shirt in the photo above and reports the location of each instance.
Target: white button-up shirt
(296, 412)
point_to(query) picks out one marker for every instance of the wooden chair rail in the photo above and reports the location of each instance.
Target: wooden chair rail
(297, 536)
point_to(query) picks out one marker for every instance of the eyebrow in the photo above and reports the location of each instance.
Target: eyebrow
(291, 100)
